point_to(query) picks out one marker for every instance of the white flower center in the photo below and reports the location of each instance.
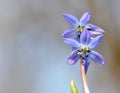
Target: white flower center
(83, 52)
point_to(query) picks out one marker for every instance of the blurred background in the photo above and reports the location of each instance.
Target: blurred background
(33, 54)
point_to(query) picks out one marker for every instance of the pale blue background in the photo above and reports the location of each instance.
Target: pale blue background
(33, 54)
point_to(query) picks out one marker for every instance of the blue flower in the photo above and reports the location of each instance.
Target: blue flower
(84, 49)
(79, 25)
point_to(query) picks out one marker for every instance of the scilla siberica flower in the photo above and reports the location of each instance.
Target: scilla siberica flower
(84, 49)
(79, 26)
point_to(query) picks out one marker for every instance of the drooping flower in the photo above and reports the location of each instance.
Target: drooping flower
(79, 25)
(84, 49)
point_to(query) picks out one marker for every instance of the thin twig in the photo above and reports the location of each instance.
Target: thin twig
(86, 89)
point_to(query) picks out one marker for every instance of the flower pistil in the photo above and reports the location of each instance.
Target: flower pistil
(83, 52)
(80, 28)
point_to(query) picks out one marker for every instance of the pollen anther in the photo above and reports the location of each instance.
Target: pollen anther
(80, 28)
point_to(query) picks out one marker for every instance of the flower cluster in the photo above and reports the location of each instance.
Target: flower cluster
(83, 37)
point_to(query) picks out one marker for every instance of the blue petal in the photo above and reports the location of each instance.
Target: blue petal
(72, 42)
(85, 37)
(94, 29)
(73, 58)
(85, 19)
(71, 19)
(86, 64)
(77, 38)
(95, 41)
(74, 48)
(68, 33)
(96, 57)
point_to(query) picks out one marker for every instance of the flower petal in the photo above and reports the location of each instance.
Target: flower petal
(68, 33)
(72, 42)
(73, 58)
(97, 57)
(71, 19)
(85, 37)
(74, 48)
(86, 64)
(94, 29)
(77, 36)
(85, 19)
(95, 41)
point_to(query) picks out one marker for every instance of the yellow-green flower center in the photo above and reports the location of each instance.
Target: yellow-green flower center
(84, 49)
(80, 28)
(84, 52)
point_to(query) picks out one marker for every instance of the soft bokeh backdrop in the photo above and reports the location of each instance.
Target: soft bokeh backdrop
(33, 54)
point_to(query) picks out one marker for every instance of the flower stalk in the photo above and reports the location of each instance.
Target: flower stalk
(85, 85)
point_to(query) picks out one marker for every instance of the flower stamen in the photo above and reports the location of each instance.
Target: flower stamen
(84, 49)
(80, 28)
(83, 52)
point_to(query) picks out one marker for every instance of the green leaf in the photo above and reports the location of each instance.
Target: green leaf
(73, 87)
